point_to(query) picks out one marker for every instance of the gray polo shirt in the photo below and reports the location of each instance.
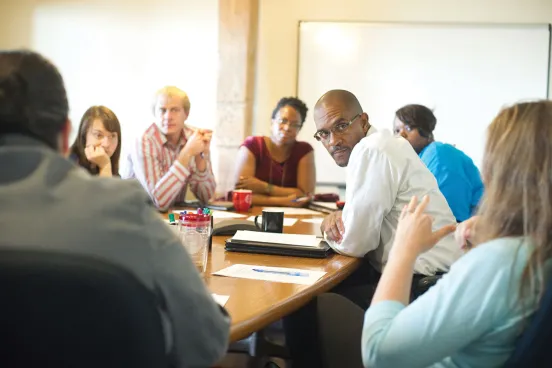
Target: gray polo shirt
(46, 201)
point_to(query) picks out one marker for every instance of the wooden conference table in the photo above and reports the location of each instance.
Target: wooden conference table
(254, 304)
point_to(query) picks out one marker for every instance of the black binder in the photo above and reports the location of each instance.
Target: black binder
(322, 251)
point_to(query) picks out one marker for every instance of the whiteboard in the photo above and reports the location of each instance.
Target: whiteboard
(465, 73)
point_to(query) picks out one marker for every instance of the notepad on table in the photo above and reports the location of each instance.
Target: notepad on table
(275, 274)
(221, 299)
(328, 205)
(317, 220)
(277, 238)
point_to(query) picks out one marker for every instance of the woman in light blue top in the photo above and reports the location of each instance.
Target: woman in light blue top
(473, 316)
(457, 176)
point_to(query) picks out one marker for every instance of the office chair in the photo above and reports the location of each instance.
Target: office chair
(65, 310)
(340, 342)
(533, 348)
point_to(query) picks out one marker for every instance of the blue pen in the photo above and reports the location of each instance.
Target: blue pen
(303, 274)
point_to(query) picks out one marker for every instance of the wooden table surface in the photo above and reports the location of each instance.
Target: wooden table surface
(254, 304)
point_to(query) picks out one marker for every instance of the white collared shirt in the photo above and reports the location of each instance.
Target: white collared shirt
(383, 174)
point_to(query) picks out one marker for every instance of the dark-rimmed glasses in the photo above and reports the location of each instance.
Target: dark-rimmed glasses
(338, 129)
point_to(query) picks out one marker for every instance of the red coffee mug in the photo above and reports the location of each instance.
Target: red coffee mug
(241, 198)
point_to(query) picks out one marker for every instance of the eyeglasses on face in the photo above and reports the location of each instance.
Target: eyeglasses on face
(406, 128)
(337, 129)
(291, 124)
(100, 136)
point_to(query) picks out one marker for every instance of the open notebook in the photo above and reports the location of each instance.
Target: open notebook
(281, 244)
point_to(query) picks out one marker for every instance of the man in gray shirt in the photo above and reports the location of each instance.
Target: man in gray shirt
(48, 202)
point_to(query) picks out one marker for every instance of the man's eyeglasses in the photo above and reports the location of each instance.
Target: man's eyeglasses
(290, 124)
(337, 129)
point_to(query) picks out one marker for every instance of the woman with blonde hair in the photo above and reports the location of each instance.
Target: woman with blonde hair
(473, 316)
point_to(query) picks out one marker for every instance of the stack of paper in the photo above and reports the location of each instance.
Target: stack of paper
(277, 238)
(276, 274)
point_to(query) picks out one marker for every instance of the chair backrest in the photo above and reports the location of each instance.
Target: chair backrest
(533, 348)
(65, 310)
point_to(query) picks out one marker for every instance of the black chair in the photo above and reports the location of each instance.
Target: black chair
(63, 310)
(533, 348)
(340, 342)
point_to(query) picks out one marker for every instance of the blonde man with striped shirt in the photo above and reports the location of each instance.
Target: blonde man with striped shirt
(170, 155)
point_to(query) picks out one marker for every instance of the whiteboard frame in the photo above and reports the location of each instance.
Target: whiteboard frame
(422, 24)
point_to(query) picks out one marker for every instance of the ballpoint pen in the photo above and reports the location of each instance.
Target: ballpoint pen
(304, 274)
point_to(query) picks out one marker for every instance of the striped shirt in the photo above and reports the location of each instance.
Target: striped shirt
(154, 162)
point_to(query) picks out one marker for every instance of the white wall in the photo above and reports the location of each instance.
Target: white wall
(118, 53)
(278, 34)
(173, 21)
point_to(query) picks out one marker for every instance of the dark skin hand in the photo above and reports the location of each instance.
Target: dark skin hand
(333, 226)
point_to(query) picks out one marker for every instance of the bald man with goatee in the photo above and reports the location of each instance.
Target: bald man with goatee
(383, 173)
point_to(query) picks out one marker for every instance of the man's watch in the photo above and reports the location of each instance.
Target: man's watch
(268, 188)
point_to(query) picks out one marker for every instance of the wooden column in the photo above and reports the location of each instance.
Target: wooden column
(238, 29)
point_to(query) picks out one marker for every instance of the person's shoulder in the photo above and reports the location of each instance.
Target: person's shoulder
(149, 134)
(253, 140)
(254, 144)
(507, 253)
(385, 144)
(123, 199)
(302, 148)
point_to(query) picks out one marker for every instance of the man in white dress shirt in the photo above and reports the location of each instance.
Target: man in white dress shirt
(383, 173)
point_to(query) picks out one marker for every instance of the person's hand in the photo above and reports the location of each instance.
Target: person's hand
(194, 146)
(252, 183)
(414, 233)
(207, 135)
(97, 156)
(333, 227)
(465, 232)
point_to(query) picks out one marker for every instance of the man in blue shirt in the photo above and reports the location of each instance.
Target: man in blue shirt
(457, 176)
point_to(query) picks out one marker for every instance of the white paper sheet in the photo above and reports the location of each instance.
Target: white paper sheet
(221, 299)
(328, 205)
(221, 214)
(317, 220)
(292, 210)
(277, 238)
(288, 221)
(275, 274)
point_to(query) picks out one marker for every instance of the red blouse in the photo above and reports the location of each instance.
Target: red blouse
(283, 174)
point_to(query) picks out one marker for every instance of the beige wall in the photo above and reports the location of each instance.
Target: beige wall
(278, 29)
(118, 53)
(278, 32)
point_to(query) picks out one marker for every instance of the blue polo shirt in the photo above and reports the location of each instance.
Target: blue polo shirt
(457, 176)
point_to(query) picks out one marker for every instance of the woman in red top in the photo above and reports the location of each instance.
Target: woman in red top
(278, 168)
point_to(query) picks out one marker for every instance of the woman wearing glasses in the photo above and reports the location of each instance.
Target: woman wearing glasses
(97, 146)
(457, 176)
(278, 169)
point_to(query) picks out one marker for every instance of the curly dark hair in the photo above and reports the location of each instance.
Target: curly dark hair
(294, 102)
